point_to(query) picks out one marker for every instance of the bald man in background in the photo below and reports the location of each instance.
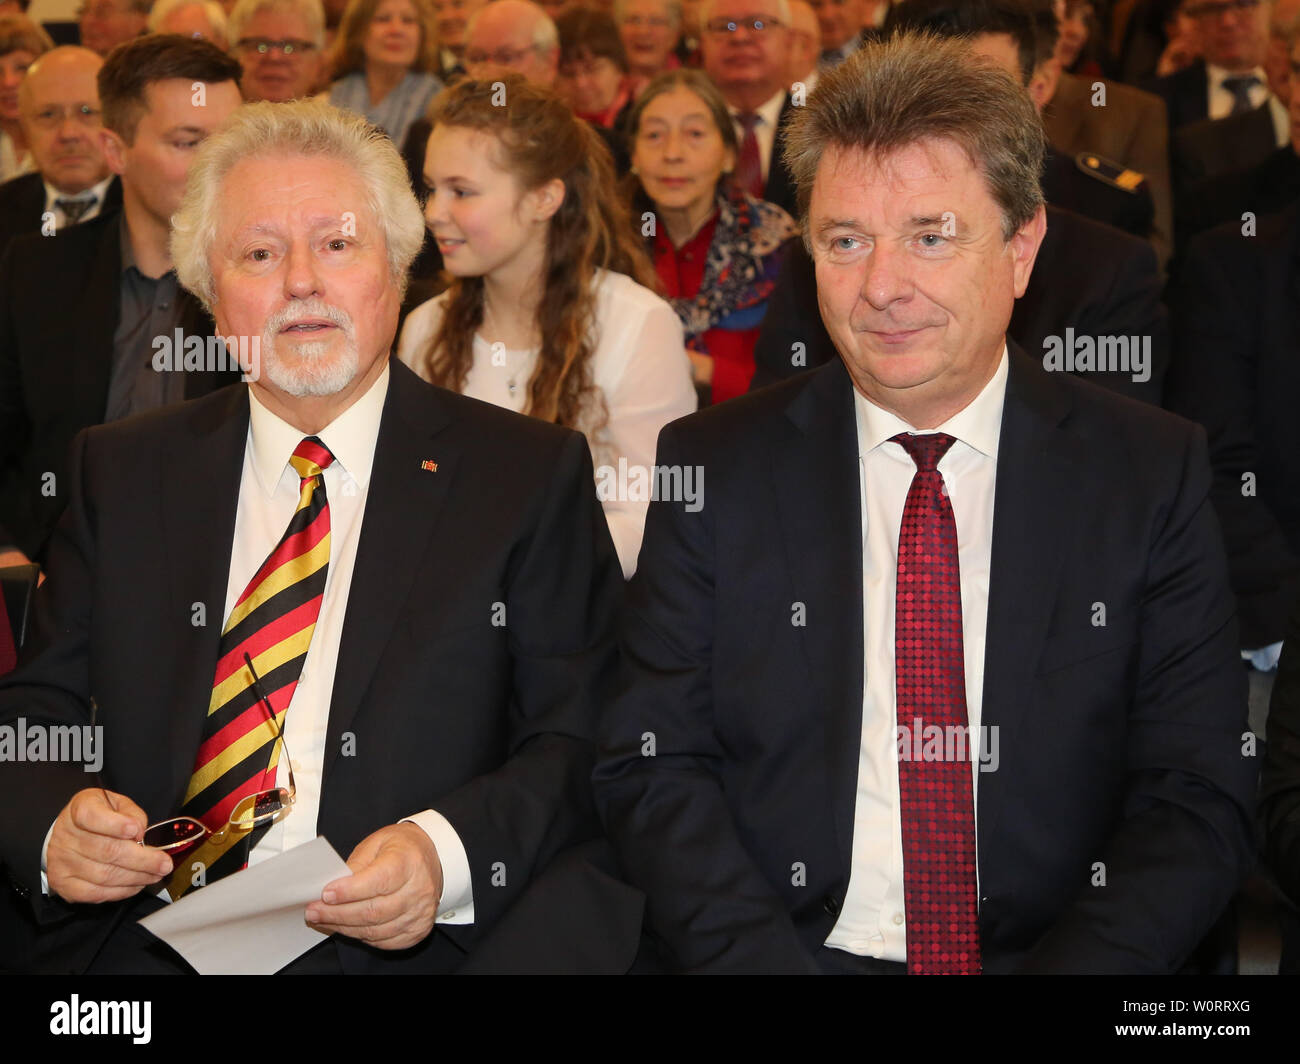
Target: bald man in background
(59, 109)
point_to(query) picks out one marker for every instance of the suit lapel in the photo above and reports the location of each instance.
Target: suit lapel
(403, 504)
(1033, 512)
(816, 482)
(98, 313)
(200, 489)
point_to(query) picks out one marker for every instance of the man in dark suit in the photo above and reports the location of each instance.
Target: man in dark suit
(848, 589)
(1235, 308)
(1229, 77)
(88, 321)
(431, 638)
(1088, 277)
(1253, 182)
(59, 108)
(746, 53)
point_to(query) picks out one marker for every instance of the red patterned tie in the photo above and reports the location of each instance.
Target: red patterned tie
(749, 167)
(936, 796)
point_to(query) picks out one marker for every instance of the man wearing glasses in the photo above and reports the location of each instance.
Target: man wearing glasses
(513, 37)
(59, 107)
(1229, 77)
(746, 53)
(279, 43)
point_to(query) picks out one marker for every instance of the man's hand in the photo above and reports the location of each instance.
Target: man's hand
(392, 896)
(95, 854)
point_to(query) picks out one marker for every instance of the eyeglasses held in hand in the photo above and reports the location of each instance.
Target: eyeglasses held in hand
(262, 807)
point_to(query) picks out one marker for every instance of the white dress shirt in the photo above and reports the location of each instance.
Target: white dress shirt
(1220, 100)
(53, 195)
(639, 365)
(769, 114)
(268, 497)
(872, 920)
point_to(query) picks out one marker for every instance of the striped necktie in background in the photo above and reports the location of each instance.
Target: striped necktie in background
(273, 623)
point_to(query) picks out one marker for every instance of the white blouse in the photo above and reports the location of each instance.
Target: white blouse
(641, 367)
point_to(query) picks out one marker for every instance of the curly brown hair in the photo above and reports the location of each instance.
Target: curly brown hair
(541, 140)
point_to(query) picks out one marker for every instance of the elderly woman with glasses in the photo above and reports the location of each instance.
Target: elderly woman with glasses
(385, 55)
(21, 41)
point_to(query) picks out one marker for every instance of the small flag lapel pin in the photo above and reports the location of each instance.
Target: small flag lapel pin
(429, 466)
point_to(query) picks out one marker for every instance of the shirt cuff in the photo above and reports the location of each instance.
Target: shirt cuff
(457, 903)
(1264, 659)
(45, 882)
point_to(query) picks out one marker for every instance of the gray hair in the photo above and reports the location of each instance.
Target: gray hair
(304, 127)
(312, 12)
(214, 12)
(914, 87)
(673, 7)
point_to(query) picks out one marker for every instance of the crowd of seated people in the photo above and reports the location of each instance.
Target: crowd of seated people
(616, 237)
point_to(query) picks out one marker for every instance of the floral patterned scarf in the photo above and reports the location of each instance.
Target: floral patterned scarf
(740, 271)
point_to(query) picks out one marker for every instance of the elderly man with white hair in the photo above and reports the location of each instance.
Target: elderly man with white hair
(407, 600)
(280, 44)
(190, 18)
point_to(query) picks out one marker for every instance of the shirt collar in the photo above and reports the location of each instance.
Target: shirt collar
(978, 424)
(350, 437)
(1217, 74)
(98, 191)
(769, 111)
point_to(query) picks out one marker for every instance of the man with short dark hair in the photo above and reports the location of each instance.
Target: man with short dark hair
(845, 661)
(84, 318)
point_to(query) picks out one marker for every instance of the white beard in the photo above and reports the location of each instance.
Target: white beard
(309, 371)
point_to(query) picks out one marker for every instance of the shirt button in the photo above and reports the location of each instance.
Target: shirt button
(163, 306)
(450, 914)
(898, 919)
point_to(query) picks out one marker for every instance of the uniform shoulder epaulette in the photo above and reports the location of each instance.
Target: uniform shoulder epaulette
(1110, 172)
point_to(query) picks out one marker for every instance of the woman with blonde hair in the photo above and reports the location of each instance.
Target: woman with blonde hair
(550, 310)
(384, 58)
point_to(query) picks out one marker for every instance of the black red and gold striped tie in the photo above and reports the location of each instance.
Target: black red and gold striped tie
(272, 622)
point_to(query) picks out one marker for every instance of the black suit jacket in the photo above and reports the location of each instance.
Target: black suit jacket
(780, 187)
(22, 202)
(1236, 319)
(1185, 93)
(1120, 744)
(490, 724)
(59, 309)
(1266, 188)
(1088, 276)
(1218, 146)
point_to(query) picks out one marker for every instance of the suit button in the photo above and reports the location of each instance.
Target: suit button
(831, 904)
